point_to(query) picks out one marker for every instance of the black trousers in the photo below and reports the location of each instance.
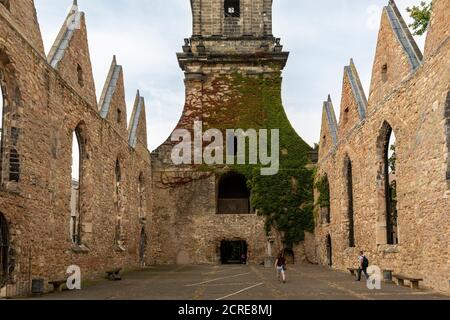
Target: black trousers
(360, 271)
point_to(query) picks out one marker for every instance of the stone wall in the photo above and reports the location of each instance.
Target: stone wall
(415, 109)
(46, 109)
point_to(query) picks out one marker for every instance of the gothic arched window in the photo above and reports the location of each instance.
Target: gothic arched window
(350, 211)
(76, 184)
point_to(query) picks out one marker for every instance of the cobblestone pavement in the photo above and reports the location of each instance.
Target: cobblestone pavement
(236, 282)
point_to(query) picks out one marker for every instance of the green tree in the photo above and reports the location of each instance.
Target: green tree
(421, 15)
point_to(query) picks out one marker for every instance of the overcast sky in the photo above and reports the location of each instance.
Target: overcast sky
(321, 35)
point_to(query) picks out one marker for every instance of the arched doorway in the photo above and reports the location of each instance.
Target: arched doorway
(233, 252)
(233, 194)
(142, 247)
(289, 256)
(4, 249)
(329, 251)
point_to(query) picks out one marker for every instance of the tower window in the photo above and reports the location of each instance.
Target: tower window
(232, 8)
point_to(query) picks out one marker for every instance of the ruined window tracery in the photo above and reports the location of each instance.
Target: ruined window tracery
(233, 194)
(232, 8)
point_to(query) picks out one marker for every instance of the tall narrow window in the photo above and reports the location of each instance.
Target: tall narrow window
(350, 210)
(141, 192)
(117, 178)
(323, 188)
(391, 189)
(80, 76)
(119, 237)
(14, 165)
(232, 8)
(119, 116)
(75, 226)
(387, 156)
(384, 72)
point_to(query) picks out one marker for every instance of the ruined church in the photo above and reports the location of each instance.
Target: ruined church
(381, 182)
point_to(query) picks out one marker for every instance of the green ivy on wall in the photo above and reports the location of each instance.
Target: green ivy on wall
(286, 199)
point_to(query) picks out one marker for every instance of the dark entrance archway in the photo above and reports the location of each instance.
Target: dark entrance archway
(233, 194)
(289, 256)
(4, 249)
(233, 252)
(329, 251)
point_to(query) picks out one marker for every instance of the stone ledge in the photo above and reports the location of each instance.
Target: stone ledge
(80, 248)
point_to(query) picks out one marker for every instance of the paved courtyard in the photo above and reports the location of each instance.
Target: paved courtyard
(238, 282)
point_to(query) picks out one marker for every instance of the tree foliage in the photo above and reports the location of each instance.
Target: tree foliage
(421, 15)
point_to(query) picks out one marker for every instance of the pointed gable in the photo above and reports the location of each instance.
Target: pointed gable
(329, 130)
(354, 102)
(439, 29)
(112, 106)
(396, 57)
(70, 55)
(23, 15)
(138, 123)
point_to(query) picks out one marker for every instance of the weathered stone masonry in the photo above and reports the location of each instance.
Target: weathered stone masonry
(232, 65)
(410, 94)
(46, 99)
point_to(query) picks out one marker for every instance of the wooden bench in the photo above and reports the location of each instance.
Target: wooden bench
(113, 275)
(57, 285)
(413, 281)
(353, 271)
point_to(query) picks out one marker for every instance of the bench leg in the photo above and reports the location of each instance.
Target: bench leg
(401, 282)
(415, 285)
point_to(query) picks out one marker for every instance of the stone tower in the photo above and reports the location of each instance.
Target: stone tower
(232, 66)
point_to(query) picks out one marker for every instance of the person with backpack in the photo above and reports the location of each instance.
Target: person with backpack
(280, 265)
(363, 264)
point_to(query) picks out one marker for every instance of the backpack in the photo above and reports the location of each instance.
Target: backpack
(365, 262)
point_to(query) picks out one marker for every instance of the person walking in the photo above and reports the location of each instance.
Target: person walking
(363, 264)
(280, 265)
